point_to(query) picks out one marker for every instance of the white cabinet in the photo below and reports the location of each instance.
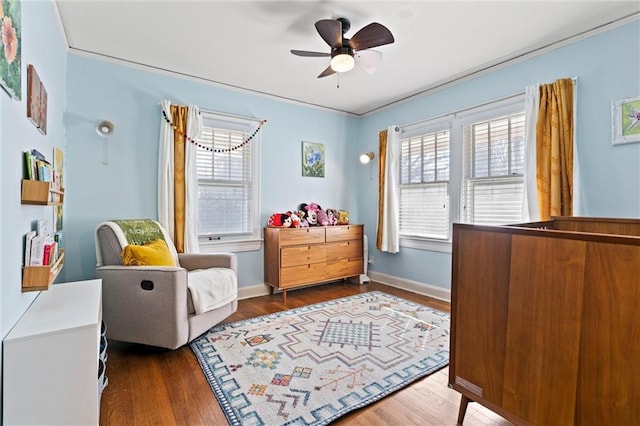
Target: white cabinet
(50, 360)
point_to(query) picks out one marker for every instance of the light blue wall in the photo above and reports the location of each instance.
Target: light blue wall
(126, 186)
(607, 66)
(43, 46)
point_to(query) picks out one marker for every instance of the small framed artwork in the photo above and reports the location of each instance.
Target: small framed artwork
(625, 120)
(312, 159)
(36, 100)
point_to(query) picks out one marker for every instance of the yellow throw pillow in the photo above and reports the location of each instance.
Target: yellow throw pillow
(153, 253)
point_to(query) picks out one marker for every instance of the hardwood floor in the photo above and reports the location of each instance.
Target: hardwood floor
(150, 386)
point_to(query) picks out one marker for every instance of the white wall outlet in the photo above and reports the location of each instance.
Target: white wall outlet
(370, 261)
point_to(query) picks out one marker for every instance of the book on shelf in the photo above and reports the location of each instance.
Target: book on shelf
(36, 166)
(37, 250)
(50, 254)
(42, 246)
(43, 227)
(27, 246)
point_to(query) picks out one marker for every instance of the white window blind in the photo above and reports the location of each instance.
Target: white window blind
(493, 186)
(227, 181)
(424, 185)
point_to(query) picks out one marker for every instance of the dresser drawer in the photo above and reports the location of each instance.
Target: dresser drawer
(344, 268)
(344, 232)
(290, 237)
(303, 274)
(344, 250)
(302, 255)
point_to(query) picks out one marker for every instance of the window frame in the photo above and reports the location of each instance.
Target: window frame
(253, 240)
(457, 122)
(433, 128)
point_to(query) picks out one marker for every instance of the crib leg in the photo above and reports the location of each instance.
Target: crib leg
(463, 409)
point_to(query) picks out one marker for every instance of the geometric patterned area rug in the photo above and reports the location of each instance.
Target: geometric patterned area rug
(313, 364)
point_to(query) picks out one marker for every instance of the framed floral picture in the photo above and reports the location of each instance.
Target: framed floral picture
(625, 120)
(312, 159)
(10, 53)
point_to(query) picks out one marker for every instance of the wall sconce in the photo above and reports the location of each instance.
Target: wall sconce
(105, 128)
(366, 157)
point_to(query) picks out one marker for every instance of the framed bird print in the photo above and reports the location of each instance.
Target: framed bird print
(625, 120)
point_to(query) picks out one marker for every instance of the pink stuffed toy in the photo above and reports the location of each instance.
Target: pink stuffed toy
(332, 216)
(323, 219)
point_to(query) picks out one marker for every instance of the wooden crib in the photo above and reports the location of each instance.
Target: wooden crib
(546, 320)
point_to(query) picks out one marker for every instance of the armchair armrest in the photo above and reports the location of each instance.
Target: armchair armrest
(191, 261)
(145, 304)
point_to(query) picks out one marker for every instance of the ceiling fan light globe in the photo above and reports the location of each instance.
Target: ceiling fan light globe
(342, 62)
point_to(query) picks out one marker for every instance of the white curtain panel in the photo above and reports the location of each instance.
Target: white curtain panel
(165, 171)
(391, 210)
(194, 126)
(530, 210)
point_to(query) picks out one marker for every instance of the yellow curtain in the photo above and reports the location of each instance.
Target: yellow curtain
(554, 149)
(179, 114)
(382, 164)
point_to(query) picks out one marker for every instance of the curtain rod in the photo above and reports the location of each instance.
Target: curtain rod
(426, 120)
(226, 114)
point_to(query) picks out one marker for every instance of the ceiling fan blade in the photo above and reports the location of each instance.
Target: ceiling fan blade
(326, 72)
(310, 54)
(373, 35)
(368, 60)
(331, 31)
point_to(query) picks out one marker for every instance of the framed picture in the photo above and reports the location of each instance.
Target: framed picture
(36, 100)
(11, 49)
(312, 159)
(625, 120)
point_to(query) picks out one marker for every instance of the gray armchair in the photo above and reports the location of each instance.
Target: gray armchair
(153, 305)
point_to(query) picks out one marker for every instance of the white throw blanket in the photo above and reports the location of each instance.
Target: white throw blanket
(211, 288)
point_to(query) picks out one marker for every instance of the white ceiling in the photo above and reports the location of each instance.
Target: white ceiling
(245, 44)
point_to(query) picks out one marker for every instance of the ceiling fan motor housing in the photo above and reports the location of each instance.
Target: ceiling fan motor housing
(342, 50)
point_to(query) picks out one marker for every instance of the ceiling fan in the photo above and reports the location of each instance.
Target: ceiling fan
(346, 53)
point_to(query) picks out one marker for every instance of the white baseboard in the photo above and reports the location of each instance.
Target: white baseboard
(401, 283)
(412, 286)
(253, 291)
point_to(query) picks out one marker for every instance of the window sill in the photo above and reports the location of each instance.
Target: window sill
(230, 246)
(426, 244)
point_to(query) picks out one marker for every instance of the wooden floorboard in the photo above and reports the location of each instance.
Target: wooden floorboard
(150, 386)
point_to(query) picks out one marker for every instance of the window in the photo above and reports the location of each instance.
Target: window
(424, 185)
(494, 171)
(465, 167)
(228, 184)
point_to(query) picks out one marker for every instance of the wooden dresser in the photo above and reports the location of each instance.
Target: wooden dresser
(295, 257)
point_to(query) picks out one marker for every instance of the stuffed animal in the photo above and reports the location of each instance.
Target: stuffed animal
(323, 219)
(295, 220)
(332, 216)
(343, 217)
(303, 221)
(279, 220)
(311, 213)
